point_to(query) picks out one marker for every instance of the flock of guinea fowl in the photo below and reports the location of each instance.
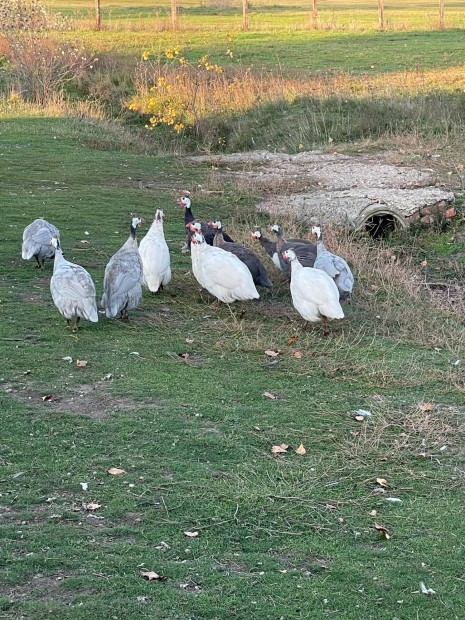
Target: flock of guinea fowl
(319, 279)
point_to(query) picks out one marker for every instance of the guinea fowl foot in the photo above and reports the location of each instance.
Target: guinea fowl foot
(325, 325)
(304, 326)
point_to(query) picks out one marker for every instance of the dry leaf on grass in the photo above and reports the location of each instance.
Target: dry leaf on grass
(67, 358)
(270, 396)
(424, 263)
(382, 531)
(48, 397)
(281, 449)
(373, 513)
(382, 482)
(301, 450)
(298, 355)
(92, 506)
(359, 418)
(151, 575)
(191, 534)
(81, 363)
(272, 352)
(115, 471)
(189, 340)
(425, 406)
(292, 340)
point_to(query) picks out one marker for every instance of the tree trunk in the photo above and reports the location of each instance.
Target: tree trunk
(98, 15)
(381, 14)
(315, 14)
(174, 15)
(441, 15)
(245, 14)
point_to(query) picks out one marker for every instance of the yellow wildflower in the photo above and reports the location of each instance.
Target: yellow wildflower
(145, 55)
(178, 127)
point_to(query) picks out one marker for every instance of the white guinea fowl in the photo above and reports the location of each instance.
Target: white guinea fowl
(122, 283)
(72, 288)
(221, 273)
(335, 266)
(36, 241)
(314, 294)
(155, 256)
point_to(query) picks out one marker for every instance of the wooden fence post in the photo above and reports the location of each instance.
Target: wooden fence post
(315, 14)
(441, 15)
(381, 14)
(174, 15)
(98, 15)
(245, 14)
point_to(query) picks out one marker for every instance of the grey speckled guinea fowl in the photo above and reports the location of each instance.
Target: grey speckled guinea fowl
(335, 266)
(305, 252)
(122, 283)
(72, 288)
(36, 241)
(247, 256)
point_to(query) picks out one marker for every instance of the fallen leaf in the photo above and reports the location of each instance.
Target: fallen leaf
(424, 263)
(270, 396)
(298, 355)
(301, 450)
(382, 482)
(282, 448)
(92, 506)
(218, 345)
(189, 340)
(47, 398)
(425, 406)
(115, 471)
(151, 575)
(191, 534)
(183, 356)
(382, 531)
(373, 513)
(359, 418)
(425, 590)
(84, 241)
(393, 500)
(292, 340)
(272, 352)
(81, 363)
(67, 358)
(107, 377)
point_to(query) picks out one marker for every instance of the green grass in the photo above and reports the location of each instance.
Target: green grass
(288, 536)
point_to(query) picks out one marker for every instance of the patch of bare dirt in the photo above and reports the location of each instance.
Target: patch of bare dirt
(94, 400)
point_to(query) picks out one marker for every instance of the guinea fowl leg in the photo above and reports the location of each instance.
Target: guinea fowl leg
(242, 311)
(78, 318)
(39, 265)
(304, 326)
(68, 323)
(325, 325)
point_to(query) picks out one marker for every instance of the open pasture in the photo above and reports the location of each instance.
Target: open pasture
(176, 398)
(186, 399)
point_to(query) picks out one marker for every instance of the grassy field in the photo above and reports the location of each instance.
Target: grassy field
(177, 397)
(278, 536)
(264, 14)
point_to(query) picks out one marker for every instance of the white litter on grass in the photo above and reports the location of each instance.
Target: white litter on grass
(425, 590)
(363, 412)
(393, 500)
(68, 358)
(84, 486)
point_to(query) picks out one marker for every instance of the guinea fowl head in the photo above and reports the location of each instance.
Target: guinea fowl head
(159, 215)
(316, 231)
(217, 225)
(185, 202)
(197, 238)
(289, 255)
(256, 235)
(55, 242)
(194, 227)
(276, 229)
